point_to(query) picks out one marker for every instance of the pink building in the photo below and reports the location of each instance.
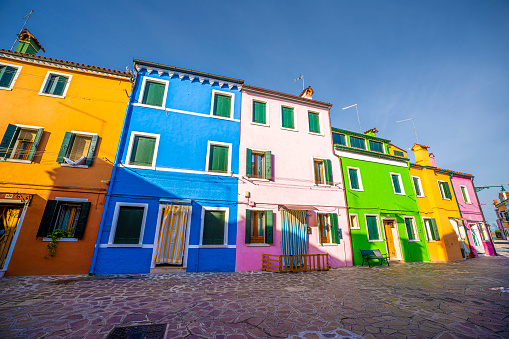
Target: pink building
(291, 198)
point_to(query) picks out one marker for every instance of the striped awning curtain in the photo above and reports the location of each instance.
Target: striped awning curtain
(294, 236)
(172, 235)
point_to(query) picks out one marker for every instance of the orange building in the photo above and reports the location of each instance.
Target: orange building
(61, 122)
(438, 206)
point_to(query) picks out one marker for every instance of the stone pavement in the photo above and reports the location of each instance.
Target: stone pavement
(502, 247)
(465, 299)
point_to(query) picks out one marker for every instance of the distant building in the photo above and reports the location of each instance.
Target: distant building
(502, 212)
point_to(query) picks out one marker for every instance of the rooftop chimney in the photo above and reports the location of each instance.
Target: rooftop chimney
(307, 93)
(495, 201)
(421, 155)
(432, 160)
(371, 132)
(28, 43)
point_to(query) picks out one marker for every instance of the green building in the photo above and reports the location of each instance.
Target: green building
(382, 205)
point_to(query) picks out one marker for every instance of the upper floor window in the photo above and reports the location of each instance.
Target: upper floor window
(55, 84)
(445, 191)
(259, 227)
(153, 92)
(354, 175)
(287, 117)
(354, 221)
(417, 186)
(260, 112)
(322, 171)
(222, 104)
(20, 142)
(259, 164)
(338, 139)
(397, 184)
(357, 142)
(219, 157)
(430, 226)
(464, 193)
(8, 75)
(64, 214)
(78, 148)
(376, 146)
(399, 153)
(314, 122)
(142, 149)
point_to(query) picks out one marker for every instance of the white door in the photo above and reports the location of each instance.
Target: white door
(479, 247)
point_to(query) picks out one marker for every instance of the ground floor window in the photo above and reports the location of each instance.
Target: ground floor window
(67, 215)
(214, 225)
(411, 229)
(372, 228)
(128, 224)
(259, 226)
(430, 226)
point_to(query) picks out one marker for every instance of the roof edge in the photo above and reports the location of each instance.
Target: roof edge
(281, 95)
(334, 129)
(442, 170)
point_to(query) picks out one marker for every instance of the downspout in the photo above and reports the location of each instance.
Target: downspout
(482, 213)
(112, 179)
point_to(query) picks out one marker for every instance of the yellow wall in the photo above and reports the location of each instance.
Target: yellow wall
(393, 148)
(94, 103)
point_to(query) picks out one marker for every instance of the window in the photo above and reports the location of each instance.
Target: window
(372, 227)
(399, 154)
(417, 186)
(64, 214)
(55, 84)
(323, 171)
(128, 224)
(483, 231)
(464, 193)
(259, 112)
(153, 92)
(397, 184)
(222, 105)
(20, 142)
(354, 175)
(376, 146)
(338, 139)
(287, 117)
(142, 150)
(430, 226)
(214, 225)
(354, 221)
(314, 122)
(357, 142)
(78, 148)
(218, 158)
(8, 75)
(328, 228)
(259, 164)
(411, 229)
(445, 192)
(259, 227)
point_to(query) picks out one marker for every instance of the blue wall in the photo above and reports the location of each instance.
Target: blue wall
(182, 147)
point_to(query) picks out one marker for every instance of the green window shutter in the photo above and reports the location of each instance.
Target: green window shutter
(268, 165)
(218, 158)
(5, 145)
(129, 223)
(314, 122)
(372, 228)
(7, 73)
(142, 152)
(82, 220)
(416, 186)
(91, 150)
(409, 229)
(447, 191)
(59, 87)
(434, 230)
(395, 182)
(334, 228)
(222, 105)
(47, 218)
(213, 228)
(464, 193)
(35, 144)
(153, 94)
(68, 138)
(269, 226)
(287, 117)
(249, 155)
(354, 180)
(248, 227)
(328, 172)
(259, 112)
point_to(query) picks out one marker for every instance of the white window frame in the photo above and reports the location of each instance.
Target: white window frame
(115, 221)
(324, 178)
(48, 74)
(130, 148)
(226, 218)
(361, 188)
(264, 163)
(142, 91)
(23, 127)
(442, 193)
(400, 183)
(294, 129)
(469, 201)
(427, 229)
(82, 134)
(218, 143)
(483, 229)
(320, 123)
(377, 225)
(350, 215)
(18, 71)
(267, 112)
(420, 186)
(414, 226)
(232, 105)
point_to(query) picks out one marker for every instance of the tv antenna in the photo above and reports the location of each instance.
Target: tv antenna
(22, 28)
(358, 119)
(301, 77)
(416, 140)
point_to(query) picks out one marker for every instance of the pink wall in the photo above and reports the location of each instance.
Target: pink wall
(293, 177)
(470, 211)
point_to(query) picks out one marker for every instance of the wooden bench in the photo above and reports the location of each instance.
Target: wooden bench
(368, 255)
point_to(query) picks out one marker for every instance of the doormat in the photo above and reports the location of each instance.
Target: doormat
(138, 332)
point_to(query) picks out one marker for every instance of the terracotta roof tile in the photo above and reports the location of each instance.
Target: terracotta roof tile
(443, 169)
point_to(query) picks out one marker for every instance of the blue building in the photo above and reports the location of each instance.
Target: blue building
(172, 199)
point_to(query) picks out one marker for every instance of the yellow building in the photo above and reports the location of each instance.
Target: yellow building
(438, 206)
(59, 128)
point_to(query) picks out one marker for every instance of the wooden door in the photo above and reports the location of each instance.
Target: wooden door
(389, 237)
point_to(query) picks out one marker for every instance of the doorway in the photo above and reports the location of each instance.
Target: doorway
(460, 232)
(10, 216)
(392, 239)
(479, 247)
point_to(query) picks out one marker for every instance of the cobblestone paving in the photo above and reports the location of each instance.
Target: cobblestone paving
(460, 299)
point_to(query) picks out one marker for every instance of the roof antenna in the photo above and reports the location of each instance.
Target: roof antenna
(301, 77)
(22, 28)
(358, 119)
(416, 140)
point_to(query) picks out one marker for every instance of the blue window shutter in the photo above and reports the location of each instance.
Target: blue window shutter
(11, 131)
(35, 144)
(91, 150)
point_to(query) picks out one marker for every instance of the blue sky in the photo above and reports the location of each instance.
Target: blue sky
(445, 63)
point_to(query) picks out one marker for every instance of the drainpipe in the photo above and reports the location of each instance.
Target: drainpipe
(112, 179)
(482, 213)
(461, 215)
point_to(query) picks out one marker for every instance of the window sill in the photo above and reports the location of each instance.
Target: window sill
(258, 179)
(420, 196)
(124, 245)
(289, 129)
(140, 167)
(323, 185)
(355, 228)
(6, 88)
(351, 189)
(139, 104)
(375, 240)
(212, 246)
(431, 241)
(51, 95)
(76, 166)
(445, 199)
(258, 245)
(417, 240)
(63, 239)
(399, 193)
(17, 160)
(329, 245)
(222, 118)
(317, 134)
(259, 124)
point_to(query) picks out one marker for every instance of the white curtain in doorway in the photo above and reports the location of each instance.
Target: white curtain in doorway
(172, 235)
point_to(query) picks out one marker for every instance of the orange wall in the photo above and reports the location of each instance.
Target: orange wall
(94, 103)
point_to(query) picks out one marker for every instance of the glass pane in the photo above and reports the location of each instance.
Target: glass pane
(129, 223)
(410, 229)
(319, 172)
(142, 153)
(357, 142)
(354, 181)
(376, 146)
(395, 181)
(338, 139)
(6, 75)
(464, 192)
(416, 186)
(399, 153)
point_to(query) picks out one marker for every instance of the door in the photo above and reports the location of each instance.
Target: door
(479, 247)
(9, 220)
(294, 238)
(171, 240)
(391, 236)
(460, 232)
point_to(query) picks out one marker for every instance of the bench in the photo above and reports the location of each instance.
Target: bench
(368, 255)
